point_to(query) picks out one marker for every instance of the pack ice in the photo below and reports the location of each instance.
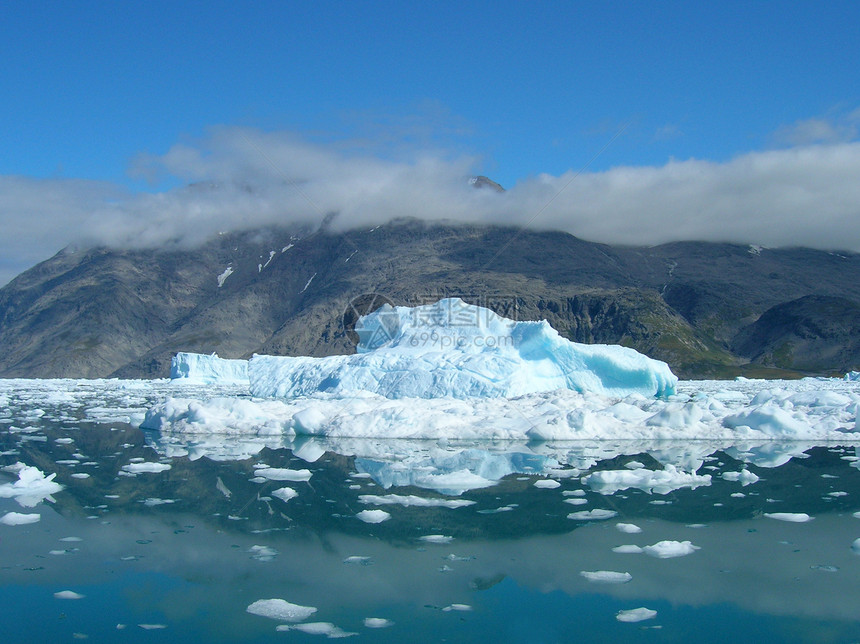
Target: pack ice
(457, 350)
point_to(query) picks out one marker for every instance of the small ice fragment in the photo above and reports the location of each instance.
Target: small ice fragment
(280, 609)
(635, 615)
(669, 549)
(592, 515)
(634, 465)
(792, 517)
(262, 553)
(17, 518)
(68, 594)
(436, 538)
(577, 500)
(459, 607)
(317, 628)
(279, 474)
(71, 539)
(607, 576)
(373, 516)
(285, 493)
(152, 627)
(548, 484)
(356, 559)
(148, 468)
(573, 492)
(627, 550)
(377, 622)
(80, 475)
(856, 546)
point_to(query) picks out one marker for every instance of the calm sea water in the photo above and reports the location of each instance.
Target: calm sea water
(478, 543)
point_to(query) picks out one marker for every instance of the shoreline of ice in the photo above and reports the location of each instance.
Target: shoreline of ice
(756, 410)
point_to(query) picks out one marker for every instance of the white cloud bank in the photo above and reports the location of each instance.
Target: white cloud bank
(807, 195)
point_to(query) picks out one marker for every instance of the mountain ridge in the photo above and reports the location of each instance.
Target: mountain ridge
(123, 313)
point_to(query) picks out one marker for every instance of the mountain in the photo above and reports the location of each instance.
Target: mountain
(709, 310)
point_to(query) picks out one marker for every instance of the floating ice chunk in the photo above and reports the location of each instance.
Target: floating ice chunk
(577, 500)
(207, 369)
(17, 518)
(792, 517)
(412, 500)
(262, 553)
(635, 615)
(856, 546)
(454, 349)
(607, 576)
(628, 528)
(457, 607)
(356, 559)
(152, 502)
(592, 515)
(152, 627)
(146, 468)
(80, 475)
(627, 550)
(669, 549)
(547, 484)
(656, 481)
(436, 538)
(317, 628)
(285, 493)
(279, 474)
(377, 622)
(373, 516)
(852, 376)
(744, 477)
(68, 594)
(31, 488)
(281, 609)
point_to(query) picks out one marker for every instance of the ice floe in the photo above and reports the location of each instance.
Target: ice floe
(791, 517)
(635, 615)
(32, 486)
(651, 481)
(281, 609)
(669, 549)
(18, 518)
(373, 516)
(607, 576)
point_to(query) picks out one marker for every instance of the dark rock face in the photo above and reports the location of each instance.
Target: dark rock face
(808, 334)
(709, 310)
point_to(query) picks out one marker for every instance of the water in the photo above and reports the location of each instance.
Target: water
(181, 554)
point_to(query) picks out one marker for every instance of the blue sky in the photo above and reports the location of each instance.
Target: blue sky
(97, 97)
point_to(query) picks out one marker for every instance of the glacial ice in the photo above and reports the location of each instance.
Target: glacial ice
(17, 518)
(281, 609)
(453, 349)
(205, 369)
(607, 576)
(635, 615)
(669, 549)
(663, 481)
(31, 488)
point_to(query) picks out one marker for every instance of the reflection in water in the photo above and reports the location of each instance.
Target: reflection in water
(169, 538)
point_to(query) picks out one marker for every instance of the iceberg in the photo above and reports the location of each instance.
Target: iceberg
(207, 369)
(457, 350)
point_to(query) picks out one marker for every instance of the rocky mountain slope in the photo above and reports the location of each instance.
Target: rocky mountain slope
(706, 309)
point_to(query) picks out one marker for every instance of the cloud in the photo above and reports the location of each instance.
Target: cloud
(239, 178)
(836, 127)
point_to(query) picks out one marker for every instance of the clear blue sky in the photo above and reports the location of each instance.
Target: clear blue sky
(530, 87)
(88, 87)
